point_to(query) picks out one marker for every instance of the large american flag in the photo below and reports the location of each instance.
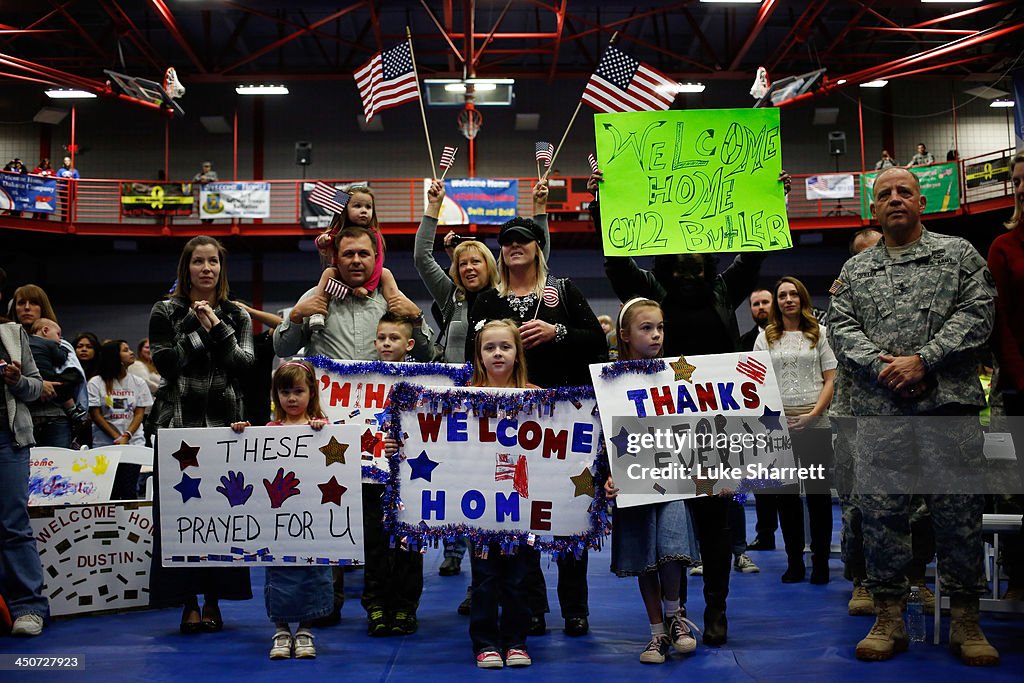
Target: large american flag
(387, 80)
(621, 83)
(329, 197)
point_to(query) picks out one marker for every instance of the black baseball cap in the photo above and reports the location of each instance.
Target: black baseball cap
(522, 228)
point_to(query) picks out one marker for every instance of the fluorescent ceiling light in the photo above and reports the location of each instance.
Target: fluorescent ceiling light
(479, 84)
(691, 87)
(841, 81)
(69, 94)
(261, 90)
(874, 84)
(1001, 103)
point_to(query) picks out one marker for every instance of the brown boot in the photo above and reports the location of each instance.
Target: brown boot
(966, 639)
(887, 636)
(861, 604)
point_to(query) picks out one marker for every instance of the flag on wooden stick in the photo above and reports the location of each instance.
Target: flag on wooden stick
(329, 197)
(622, 83)
(447, 159)
(593, 163)
(387, 80)
(544, 152)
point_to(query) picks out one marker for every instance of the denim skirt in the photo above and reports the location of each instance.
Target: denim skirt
(646, 536)
(294, 594)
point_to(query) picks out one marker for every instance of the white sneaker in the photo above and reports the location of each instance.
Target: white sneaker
(27, 625)
(745, 565)
(656, 650)
(304, 648)
(697, 569)
(680, 631)
(282, 648)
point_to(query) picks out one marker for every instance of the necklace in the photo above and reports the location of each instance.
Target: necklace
(522, 304)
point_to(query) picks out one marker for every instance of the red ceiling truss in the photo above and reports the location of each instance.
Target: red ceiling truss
(70, 42)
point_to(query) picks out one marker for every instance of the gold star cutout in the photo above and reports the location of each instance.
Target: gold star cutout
(705, 486)
(584, 483)
(334, 451)
(683, 369)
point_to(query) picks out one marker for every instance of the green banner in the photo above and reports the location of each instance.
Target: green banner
(940, 186)
(691, 182)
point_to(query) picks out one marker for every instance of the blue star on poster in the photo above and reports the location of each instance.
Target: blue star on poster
(770, 419)
(188, 488)
(620, 441)
(422, 466)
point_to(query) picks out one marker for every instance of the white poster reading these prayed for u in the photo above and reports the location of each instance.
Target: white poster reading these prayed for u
(278, 496)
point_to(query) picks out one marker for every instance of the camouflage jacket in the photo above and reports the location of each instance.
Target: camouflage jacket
(936, 300)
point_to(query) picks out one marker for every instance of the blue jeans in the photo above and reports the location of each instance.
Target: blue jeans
(53, 430)
(19, 559)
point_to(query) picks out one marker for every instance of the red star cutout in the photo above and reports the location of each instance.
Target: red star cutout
(368, 441)
(331, 492)
(186, 456)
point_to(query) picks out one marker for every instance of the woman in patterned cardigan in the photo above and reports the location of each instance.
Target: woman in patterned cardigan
(202, 346)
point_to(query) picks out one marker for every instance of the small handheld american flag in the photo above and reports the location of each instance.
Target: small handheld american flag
(448, 157)
(593, 163)
(544, 152)
(329, 197)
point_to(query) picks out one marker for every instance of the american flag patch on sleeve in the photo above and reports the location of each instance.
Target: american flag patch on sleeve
(836, 286)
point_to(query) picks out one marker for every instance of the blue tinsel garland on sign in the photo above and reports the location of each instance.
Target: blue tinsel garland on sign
(643, 366)
(460, 375)
(405, 396)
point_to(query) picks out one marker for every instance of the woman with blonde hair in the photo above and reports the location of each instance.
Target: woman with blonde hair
(473, 269)
(805, 368)
(561, 337)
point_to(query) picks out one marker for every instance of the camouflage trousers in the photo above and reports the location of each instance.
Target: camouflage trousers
(887, 545)
(922, 532)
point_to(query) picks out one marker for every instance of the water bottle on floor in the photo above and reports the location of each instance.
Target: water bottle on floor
(916, 625)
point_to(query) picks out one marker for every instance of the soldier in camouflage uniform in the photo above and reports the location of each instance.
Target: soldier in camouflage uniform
(908, 320)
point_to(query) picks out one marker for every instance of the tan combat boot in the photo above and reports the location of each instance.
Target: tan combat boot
(861, 604)
(966, 640)
(887, 636)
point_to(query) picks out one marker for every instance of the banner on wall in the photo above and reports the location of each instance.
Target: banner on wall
(156, 199)
(695, 425)
(515, 466)
(834, 186)
(234, 200)
(26, 192)
(275, 496)
(489, 201)
(316, 217)
(357, 393)
(94, 557)
(691, 182)
(940, 186)
(987, 172)
(60, 476)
